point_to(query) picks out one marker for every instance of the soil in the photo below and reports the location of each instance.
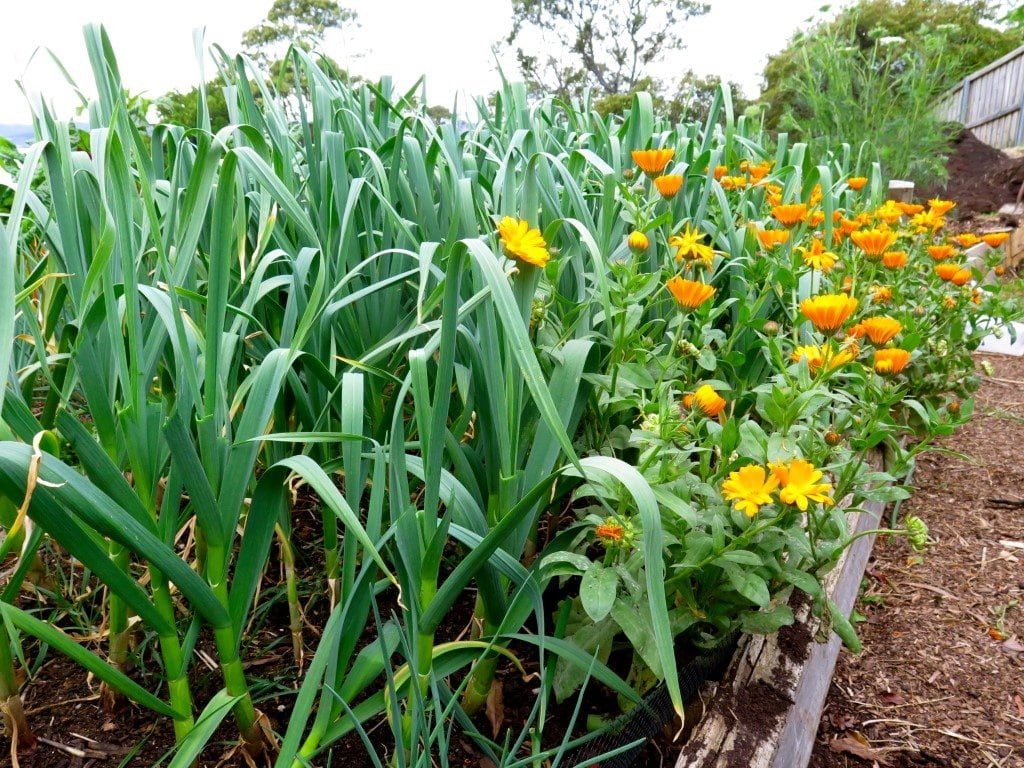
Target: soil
(940, 681)
(981, 178)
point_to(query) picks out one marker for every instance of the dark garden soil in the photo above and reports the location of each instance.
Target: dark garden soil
(981, 178)
(941, 679)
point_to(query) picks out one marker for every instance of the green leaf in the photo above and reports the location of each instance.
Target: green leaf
(597, 591)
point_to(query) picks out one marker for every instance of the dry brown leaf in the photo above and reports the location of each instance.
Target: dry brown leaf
(858, 746)
(495, 707)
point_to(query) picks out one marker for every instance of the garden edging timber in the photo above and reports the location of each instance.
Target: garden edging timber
(766, 710)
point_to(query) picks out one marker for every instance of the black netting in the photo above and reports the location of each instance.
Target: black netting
(645, 721)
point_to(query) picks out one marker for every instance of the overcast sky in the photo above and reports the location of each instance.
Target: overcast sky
(448, 40)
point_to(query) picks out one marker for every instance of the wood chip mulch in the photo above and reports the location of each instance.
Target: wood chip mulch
(941, 679)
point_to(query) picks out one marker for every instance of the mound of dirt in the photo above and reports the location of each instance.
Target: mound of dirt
(981, 178)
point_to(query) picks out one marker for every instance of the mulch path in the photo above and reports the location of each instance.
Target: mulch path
(941, 679)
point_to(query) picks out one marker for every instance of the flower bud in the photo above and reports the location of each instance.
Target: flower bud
(833, 438)
(953, 407)
(638, 242)
(917, 533)
(628, 174)
(771, 328)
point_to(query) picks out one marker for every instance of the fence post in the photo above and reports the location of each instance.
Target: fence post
(965, 99)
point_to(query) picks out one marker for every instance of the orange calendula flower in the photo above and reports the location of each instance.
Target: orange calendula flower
(668, 186)
(749, 488)
(689, 293)
(790, 214)
(637, 242)
(609, 532)
(760, 170)
(720, 171)
(690, 246)
(523, 242)
(707, 401)
(941, 207)
(857, 183)
(814, 218)
(652, 161)
(961, 277)
(995, 239)
(874, 242)
(771, 238)
(966, 239)
(910, 209)
(800, 483)
(881, 294)
(828, 312)
(946, 270)
(891, 361)
(894, 259)
(941, 252)
(816, 257)
(881, 329)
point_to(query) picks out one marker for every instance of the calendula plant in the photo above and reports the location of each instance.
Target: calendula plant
(604, 387)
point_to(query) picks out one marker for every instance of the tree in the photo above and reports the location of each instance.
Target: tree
(968, 29)
(610, 43)
(302, 23)
(182, 107)
(689, 99)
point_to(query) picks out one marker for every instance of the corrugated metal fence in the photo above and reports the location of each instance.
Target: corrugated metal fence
(990, 101)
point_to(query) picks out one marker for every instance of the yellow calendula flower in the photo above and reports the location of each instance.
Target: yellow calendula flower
(816, 257)
(668, 186)
(880, 329)
(799, 483)
(828, 312)
(910, 209)
(749, 488)
(689, 294)
(638, 242)
(857, 183)
(790, 214)
(522, 242)
(652, 161)
(874, 242)
(894, 259)
(881, 294)
(891, 361)
(690, 247)
(818, 357)
(889, 212)
(927, 221)
(734, 182)
(995, 239)
(941, 207)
